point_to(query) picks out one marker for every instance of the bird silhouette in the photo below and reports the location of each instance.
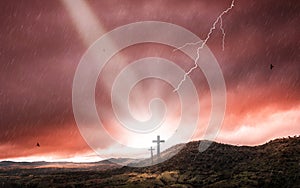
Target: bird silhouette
(38, 144)
(271, 66)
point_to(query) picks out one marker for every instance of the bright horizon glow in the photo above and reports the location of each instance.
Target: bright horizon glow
(93, 157)
(85, 158)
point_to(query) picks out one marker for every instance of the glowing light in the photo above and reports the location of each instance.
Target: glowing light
(86, 22)
(87, 157)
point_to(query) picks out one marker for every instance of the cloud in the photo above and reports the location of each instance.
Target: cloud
(258, 129)
(40, 50)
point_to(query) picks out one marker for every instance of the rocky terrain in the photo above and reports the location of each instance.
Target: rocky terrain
(274, 164)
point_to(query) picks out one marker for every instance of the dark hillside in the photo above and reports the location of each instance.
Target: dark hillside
(274, 164)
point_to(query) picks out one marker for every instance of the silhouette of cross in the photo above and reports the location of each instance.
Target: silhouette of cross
(151, 150)
(158, 141)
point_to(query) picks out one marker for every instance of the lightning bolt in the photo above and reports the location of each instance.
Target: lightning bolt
(223, 33)
(203, 43)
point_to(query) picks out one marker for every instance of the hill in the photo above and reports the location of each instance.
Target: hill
(274, 164)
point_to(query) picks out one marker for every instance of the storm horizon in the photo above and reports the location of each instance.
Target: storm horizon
(42, 44)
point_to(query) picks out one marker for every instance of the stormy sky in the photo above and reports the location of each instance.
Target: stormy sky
(42, 42)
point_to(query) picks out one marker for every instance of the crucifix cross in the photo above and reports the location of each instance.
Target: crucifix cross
(158, 141)
(151, 150)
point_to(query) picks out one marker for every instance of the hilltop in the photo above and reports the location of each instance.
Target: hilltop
(274, 164)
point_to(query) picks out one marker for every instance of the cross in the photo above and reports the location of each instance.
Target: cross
(151, 149)
(158, 141)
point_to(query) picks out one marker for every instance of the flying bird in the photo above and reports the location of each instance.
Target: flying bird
(271, 66)
(38, 144)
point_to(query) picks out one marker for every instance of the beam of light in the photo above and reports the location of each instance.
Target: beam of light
(203, 43)
(90, 29)
(86, 22)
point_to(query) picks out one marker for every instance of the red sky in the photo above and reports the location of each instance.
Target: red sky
(41, 45)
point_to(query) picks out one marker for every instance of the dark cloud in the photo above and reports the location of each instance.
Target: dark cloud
(40, 50)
